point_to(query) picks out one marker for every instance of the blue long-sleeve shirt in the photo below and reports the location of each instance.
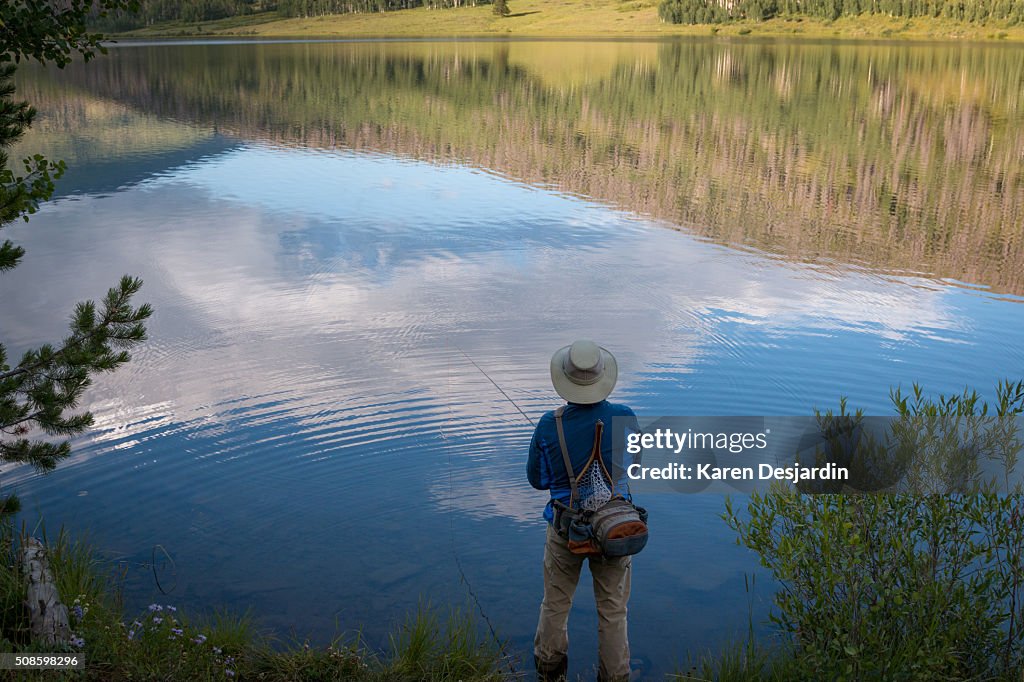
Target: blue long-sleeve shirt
(545, 468)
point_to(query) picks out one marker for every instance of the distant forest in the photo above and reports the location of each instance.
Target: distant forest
(192, 11)
(1007, 12)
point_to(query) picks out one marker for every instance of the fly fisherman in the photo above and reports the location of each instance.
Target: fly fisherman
(584, 374)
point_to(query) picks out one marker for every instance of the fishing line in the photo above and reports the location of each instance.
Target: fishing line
(451, 503)
(174, 569)
(525, 416)
(160, 559)
(509, 661)
(455, 551)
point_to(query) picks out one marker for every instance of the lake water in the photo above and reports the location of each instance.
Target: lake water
(330, 231)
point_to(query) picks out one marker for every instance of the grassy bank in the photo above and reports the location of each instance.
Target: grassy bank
(165, 643)
(569, 18)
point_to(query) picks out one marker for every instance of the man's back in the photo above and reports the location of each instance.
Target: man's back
(545, 468)
(584, 374)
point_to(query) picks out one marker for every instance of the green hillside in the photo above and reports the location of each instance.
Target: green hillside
(571, 18)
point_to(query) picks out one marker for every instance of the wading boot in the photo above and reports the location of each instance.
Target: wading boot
(551, 672)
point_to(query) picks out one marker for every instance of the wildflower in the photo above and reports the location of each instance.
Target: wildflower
(217, 651)
(78, 611)
(157, 620)
(136, 624)
(230, 660)
(229, 672)
(77, 642)
(200, 639)
(177, 631)
(155, 607)
(172, 609)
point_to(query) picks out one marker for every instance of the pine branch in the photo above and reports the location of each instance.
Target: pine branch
(48, 382)
(41, 455)
(10, 505)
(9, 255)
(117, 314)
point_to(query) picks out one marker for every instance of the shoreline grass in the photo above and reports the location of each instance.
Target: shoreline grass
(597, 19)
(165, 643)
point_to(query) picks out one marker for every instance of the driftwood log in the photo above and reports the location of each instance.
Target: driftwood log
(48, 617)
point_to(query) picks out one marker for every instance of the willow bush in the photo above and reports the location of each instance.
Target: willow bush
(908, 583)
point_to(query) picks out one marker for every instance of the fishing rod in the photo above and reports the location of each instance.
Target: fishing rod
(495, 383)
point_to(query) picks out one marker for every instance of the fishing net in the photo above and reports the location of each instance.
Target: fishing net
(593, 489)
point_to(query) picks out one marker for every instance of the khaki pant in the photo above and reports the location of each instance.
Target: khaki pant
(611, 591)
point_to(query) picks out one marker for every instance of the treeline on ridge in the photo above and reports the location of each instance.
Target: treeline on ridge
(151, 12)
(717, 11)
(192, 11)
(316, 8)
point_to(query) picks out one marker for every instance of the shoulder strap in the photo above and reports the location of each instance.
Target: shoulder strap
(565, 455)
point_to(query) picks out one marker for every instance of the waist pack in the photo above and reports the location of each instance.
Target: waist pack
(614, 529)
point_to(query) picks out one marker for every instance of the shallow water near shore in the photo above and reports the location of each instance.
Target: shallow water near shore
(329, 232)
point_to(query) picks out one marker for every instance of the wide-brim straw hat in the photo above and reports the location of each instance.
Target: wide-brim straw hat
(584, 372)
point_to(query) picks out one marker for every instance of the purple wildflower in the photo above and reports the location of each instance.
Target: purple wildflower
(77, 642)
(155, 607)
(229, 672)
(77, 610)
(172, 608)
(200, 639)
(136, 624)
(177, 631)
(157, 620)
